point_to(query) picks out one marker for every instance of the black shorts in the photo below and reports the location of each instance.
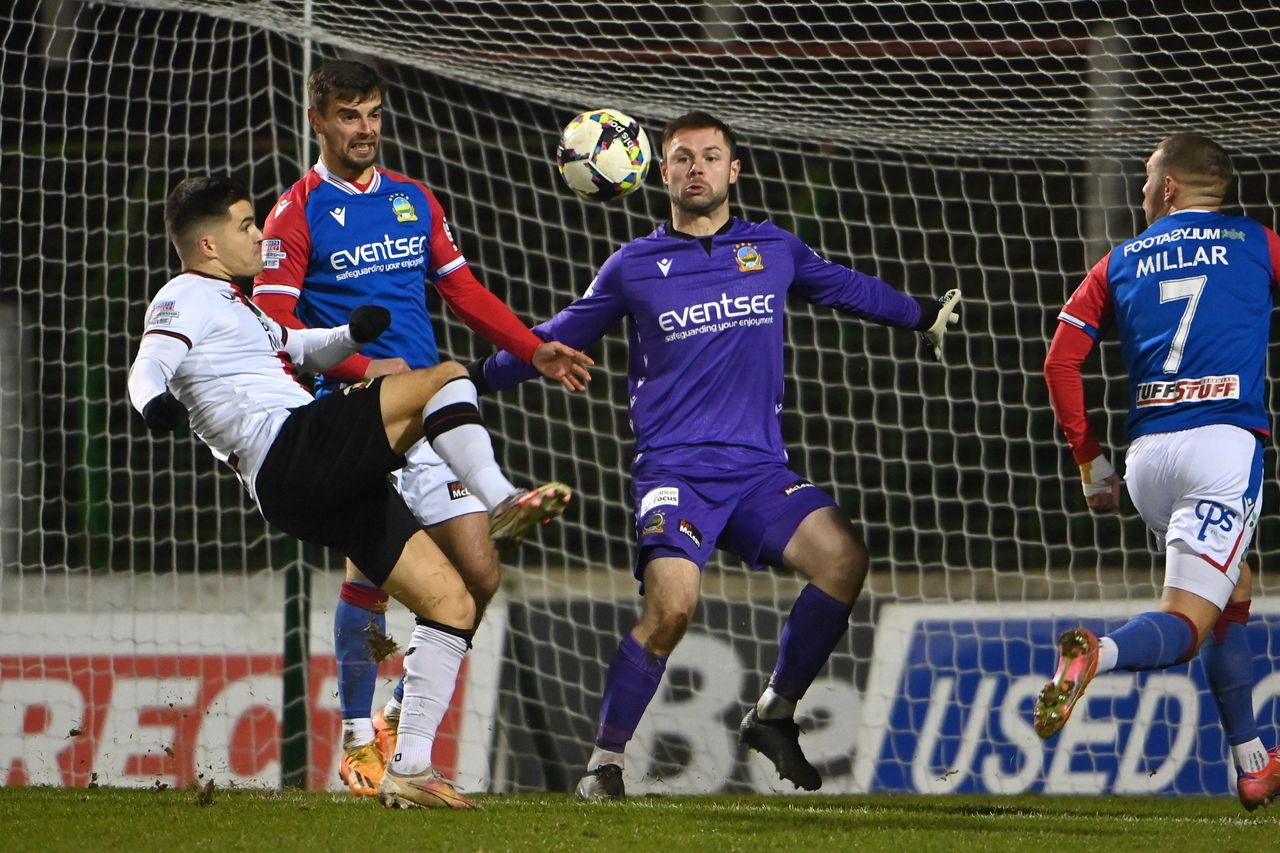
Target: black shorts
(325, 480)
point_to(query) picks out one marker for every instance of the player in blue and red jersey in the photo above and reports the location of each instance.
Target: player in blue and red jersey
(351, 233)
(1190, 299)
(704, 296)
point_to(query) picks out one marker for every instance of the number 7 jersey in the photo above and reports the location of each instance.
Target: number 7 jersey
(1191, 300)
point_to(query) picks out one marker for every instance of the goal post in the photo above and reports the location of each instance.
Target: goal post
(994, 148)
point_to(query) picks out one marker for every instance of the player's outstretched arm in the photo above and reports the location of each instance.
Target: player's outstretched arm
(1098, 478)
(825, 283)
(936, 317)
(564, 364)
(317, 350)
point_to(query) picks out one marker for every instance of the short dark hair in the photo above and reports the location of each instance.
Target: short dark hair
(345, 79)
(196, 201)
(698, 121)
(1195, 156)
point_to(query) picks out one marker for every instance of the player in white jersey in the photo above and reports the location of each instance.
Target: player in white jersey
(352, 232)
(1190, 299)
(318, 468)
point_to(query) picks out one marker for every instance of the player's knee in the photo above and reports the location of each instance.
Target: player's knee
(447, 371)
(846, 564)
(456, 608)
(483, 585)
(665, 630)
(447, 600)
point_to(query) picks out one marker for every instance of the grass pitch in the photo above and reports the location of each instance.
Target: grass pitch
(116, 819)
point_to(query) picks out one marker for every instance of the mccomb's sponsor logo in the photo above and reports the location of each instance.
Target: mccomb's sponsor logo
(1188, 391)
(387, 249)
(723, 313)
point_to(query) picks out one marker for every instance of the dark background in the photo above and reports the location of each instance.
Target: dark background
(935, 145)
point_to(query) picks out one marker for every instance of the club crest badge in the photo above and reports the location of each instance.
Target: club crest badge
(403, 209)
(748, 257)
(655, 523)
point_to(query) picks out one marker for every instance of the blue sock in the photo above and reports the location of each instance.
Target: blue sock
(1228, 667)
(1153, 641)
(358, 606)
(816, 624)
(629, 687)
(398, 693)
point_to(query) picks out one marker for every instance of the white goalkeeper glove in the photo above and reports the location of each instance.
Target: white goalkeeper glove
(935, 317)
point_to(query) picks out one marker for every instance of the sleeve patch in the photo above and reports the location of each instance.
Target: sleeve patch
(272, 254)
(162, 314)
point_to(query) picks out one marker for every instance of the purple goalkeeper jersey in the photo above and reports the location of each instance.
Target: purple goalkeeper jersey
(705, 327)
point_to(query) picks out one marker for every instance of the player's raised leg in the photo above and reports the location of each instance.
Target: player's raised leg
(1205, 507)
(452, 424)
(671, 585)
(827, 550)
(1157, 639)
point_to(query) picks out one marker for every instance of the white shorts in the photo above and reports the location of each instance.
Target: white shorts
(1202, 487)
(431, 489)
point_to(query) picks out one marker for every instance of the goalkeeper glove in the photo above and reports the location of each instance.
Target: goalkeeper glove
(164, 414)
(935, 316)
(368, 322)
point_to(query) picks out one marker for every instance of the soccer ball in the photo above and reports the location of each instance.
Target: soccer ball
(603, 154)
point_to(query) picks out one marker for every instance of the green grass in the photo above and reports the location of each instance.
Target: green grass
(114, 819)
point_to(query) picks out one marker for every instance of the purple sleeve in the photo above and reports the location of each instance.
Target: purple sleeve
(583, 322)
(825, 283)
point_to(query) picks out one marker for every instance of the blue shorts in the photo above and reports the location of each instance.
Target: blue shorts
(750, 510)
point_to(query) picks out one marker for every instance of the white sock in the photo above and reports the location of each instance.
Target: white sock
(430, 674)
(771, 706)
(467, 448)
(391, 710)
(1108, 654)
(357, 732)
(1250, 757)
(601, 757)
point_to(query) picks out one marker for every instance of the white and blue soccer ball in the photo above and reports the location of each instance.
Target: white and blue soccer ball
(603, 154)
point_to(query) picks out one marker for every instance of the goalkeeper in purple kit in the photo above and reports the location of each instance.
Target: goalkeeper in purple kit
(705, 296)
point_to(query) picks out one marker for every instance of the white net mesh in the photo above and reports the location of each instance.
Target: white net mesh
(993, 147)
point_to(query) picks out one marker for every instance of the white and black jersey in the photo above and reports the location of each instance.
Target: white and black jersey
(229, 364)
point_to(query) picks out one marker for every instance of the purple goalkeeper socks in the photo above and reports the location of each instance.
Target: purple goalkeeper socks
(1228, 667)
(632, 681)
(816, 624)
(1153, 641)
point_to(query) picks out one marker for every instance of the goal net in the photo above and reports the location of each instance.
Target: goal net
(154, 631)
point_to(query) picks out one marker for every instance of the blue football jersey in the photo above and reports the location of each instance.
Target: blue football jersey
(335, 246)
(1191, 301)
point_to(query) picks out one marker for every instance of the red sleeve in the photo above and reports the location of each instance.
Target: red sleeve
(286, 249)
(1273, 249)
(484, 313)
(1090, 306)
(1070, 347)
(286, 245)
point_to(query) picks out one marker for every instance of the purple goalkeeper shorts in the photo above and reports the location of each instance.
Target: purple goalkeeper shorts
(746, 506)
